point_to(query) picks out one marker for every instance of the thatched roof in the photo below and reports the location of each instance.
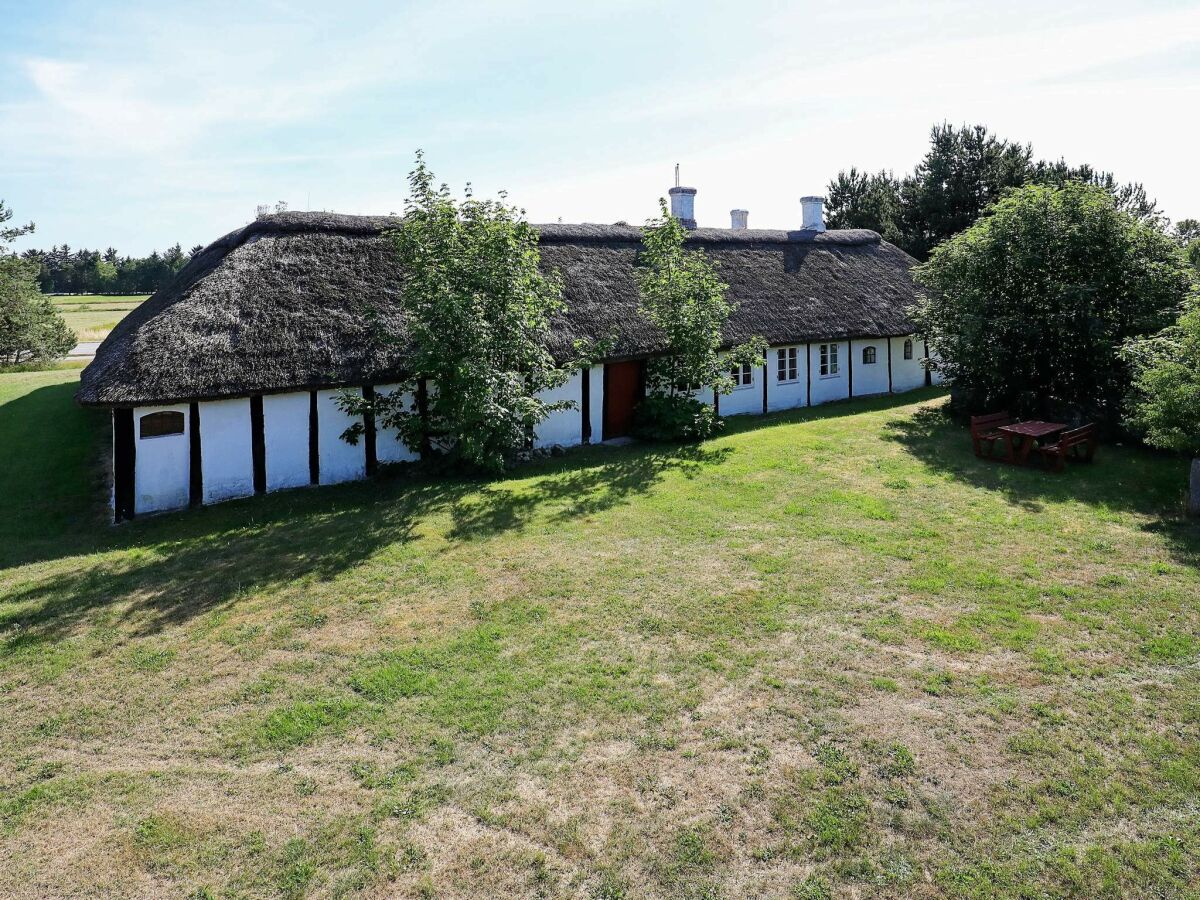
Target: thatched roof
(289, 301)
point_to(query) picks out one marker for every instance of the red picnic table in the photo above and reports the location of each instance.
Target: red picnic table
(1022, 437)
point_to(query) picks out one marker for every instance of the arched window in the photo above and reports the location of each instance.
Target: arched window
(160, 424)
(868, 355)
(908, 349)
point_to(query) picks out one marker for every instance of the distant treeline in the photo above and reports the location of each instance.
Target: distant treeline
(62, 270)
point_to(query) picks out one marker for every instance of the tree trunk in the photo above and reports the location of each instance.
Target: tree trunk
(1194, 492)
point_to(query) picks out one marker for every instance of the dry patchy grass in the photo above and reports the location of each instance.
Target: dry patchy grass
(93, 316)
(828, 654)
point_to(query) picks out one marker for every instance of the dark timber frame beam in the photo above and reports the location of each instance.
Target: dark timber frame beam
(258, 444)
(195, 457)
(124, 465)
(369, 438)
(314, 440)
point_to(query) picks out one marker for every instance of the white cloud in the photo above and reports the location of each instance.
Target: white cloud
(180, 120)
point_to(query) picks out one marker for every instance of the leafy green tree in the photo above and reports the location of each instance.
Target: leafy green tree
(964, 172)
(857, 199)
(477, 308)
(30, 327)
(1030, 306)
(1131, 198)
(1186, 231)
(682, 296)
(1165, 396)
(1192, 252)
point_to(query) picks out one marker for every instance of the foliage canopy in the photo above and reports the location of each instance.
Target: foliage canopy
(683, 297)
(965, 171)
(1165, 397)
(478, 310)
(30, 327)
(1032, 304)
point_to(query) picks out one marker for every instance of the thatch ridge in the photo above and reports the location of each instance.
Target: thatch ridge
(287, 303)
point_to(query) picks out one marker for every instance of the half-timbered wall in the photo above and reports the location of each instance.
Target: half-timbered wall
(299, 434)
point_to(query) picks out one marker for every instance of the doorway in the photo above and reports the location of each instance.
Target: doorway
(624, 386)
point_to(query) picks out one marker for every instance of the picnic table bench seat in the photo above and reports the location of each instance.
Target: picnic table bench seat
(1077, 443)
(985, 431)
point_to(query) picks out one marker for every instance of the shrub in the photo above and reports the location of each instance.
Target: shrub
(660, 417)
(1165, 400)
(1028, 308)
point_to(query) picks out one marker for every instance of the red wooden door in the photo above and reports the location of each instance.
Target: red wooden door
(623, 388)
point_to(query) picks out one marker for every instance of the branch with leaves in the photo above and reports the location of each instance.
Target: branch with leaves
(478, 308)
(683, 297)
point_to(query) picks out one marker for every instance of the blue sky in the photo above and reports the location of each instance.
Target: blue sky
(140, 124)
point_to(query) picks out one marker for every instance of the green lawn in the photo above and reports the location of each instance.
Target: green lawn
(828, 654)
(93, 316)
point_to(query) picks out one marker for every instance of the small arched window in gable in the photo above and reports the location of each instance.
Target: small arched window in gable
(908, 349)
(160, 424)
(868, 355)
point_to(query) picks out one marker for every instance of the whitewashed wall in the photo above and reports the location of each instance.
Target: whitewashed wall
(870, 378)
(907, 374)
(786, 394)
(563, 427)
(831, 387)
(285, 439)
(162, 465)
(388, 446)
(745, 400)
(339, 460)
(226, 453)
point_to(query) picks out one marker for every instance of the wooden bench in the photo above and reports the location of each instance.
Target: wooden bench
(985, 431)
(1078, 443)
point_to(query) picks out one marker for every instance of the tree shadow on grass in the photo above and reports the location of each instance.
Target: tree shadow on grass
(167, 570)
(170, 569)
(590, 482)
(1122, 478)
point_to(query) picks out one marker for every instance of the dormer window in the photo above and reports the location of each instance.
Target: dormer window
(160, 424)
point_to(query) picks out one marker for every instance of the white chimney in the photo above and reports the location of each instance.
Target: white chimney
(813, 213)
(737, 219)
(683, 202)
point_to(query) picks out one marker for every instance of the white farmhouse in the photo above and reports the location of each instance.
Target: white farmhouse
(224, 383)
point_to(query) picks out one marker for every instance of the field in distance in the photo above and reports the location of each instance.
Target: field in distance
(93, 316)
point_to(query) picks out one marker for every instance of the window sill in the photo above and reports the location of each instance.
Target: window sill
(830, 377)
(787, 380)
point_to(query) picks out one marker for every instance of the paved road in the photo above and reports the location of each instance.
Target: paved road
(86, 350)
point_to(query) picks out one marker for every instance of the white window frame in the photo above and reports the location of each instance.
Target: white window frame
(829, 367)
(743, 376)
(873, 352)
(787, 365)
